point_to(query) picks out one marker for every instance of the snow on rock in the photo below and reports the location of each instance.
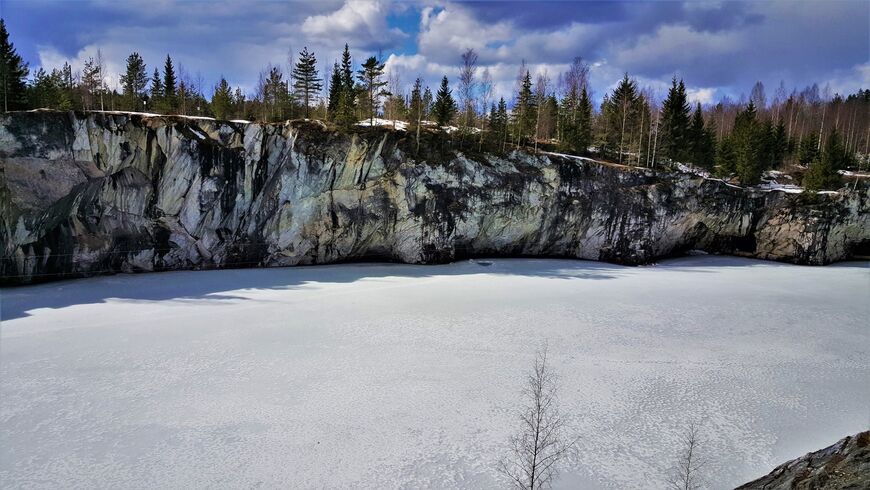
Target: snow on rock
(849, 173)
(691, 169)
(404, 376)
(391, 123)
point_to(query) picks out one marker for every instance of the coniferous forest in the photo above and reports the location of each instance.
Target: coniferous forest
(813, 136)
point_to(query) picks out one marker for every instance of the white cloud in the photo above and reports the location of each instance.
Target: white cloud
(362, 22)
(702, 95)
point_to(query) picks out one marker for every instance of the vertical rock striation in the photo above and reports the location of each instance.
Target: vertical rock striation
(87, 193)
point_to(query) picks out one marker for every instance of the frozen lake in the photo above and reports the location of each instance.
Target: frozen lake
(399, 376)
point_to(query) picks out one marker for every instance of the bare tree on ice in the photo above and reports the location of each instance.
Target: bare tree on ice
(540, 445)
(686, 475)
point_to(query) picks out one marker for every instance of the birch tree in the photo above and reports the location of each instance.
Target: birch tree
(540, 445)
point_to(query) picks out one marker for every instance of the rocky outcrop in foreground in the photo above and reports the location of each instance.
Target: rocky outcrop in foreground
(88, 193)
(845, 465)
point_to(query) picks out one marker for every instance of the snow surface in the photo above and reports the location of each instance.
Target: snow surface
(384, 122)
(401, 376)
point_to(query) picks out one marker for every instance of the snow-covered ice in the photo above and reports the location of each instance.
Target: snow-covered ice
(401, 376)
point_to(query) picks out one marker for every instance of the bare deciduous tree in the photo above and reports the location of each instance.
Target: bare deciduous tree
(686, 474)
(541, 444)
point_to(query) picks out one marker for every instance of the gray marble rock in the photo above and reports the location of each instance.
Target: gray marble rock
(89, 193)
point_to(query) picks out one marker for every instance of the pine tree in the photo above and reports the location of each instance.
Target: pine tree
(222, 100)
(133, 81)
(170, 89)
(307, 84)
(90, 83)
(13, 73)
(445, 107)
(275, 95)
(674, 125)
(370, 77)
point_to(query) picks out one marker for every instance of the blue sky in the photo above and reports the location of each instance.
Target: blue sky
(719, 48)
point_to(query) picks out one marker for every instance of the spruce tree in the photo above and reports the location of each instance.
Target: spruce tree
(780, 144)
(444, 107)
(620, 118)
(674, 125)
(702, 147)
(428, 99)
(584, 123)
(370, 77)
(334, 93)
(748, 146)
(307, 84)
(416, 104)
(525, 113)
(170, 89)
(222, 100)
(133, 81)
(823, 172)
(156, 88)
(346, 105)
(47, 90)
(13, 73)
(808, 150)
(725, 158)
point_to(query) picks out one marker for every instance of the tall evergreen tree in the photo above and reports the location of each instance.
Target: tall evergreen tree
(498, 121)
(525, 111)
(780, 144)
(725, 157)
(346, 108)
(13, 73)
(133, 81)
(445, 107)
(415, 104)
(370, 77)
(823, 172)
(307, 84)
(674, 125)
(222, 100)
(620, 121)
(91, 83)
(748, 143)
(702, 145)
(584, 123)
(335, 89)
(47, 90)
(170, 88)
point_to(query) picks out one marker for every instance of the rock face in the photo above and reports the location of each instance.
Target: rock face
(87, 193)
(845, 465)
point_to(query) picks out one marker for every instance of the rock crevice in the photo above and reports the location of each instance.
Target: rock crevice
(88, 193)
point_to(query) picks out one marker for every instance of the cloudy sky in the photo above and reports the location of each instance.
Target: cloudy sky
(719, 48)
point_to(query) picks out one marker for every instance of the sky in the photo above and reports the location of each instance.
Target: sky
(718, 48)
